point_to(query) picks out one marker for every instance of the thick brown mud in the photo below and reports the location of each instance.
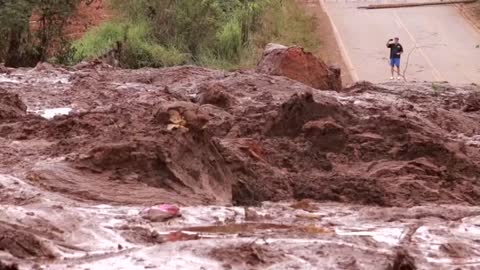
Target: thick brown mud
(243, 138)
(191, 136)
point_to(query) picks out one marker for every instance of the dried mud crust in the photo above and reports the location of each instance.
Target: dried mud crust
(190, 135)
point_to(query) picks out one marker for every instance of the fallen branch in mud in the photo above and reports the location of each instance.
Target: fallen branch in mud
(4, 266)
(407, 234)
(403, 261)
(407, 62)
(403, 75)
(402, 5)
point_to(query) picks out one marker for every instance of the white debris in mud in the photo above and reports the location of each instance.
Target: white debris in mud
(472, 141)
(51, 113)
(8, 79)
(390, 236)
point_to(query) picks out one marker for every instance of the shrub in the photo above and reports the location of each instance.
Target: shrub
(23, 45)
(99, 41)
(225, 34)
(137, 48)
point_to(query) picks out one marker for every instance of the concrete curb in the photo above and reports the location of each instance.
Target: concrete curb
(341, 45)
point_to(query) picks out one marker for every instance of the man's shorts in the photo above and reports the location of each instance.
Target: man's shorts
(395, 62)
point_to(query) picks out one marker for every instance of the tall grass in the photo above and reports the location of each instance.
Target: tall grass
(285, 22)
(227, 34)
(138, 50)
(278, 21)
(98, 41)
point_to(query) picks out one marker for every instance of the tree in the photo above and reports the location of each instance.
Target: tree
(14, 26)
(23, 46)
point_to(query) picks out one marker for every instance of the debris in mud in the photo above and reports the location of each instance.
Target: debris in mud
(246, 255)
(181, 236)
(302, 108)
(140, 235)
(240, 228)
(472, 102)
(260, 229)
(362, 87)
(160, 213)
(403, 261)
(456, 250)
(11, 106)
(306, 205)
(23, 244)
(325, 135)
(181, 116)
(4, 266)
(159, 160)
(215, 94)
(299, 65)
(4, 69)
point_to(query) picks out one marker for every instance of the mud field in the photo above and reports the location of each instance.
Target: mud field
(269, 173)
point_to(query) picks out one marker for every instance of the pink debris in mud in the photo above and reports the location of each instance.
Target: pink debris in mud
(161, 212)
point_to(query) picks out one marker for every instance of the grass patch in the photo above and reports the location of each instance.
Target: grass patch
(283, 22)
(138, 49)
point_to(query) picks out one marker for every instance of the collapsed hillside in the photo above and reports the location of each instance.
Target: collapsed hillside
(190, 135)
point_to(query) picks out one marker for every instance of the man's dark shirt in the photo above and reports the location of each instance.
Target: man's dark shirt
(394, 49)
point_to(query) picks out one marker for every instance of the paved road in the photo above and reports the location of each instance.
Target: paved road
(446, 41)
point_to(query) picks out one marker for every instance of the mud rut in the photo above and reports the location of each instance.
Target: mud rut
(71, 187)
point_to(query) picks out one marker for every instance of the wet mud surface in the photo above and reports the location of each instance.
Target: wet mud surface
(372, 177)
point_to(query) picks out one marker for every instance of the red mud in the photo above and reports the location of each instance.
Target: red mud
(11, 106)
(4, 266)
(299, 65)
(190, 135)
(246, 256)
(22, 244)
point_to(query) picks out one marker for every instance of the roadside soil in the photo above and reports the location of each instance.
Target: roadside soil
(89, 15)
(329, 50)
(472, 13)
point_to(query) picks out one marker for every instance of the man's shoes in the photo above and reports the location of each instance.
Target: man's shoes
(391, 78)
(399, 78)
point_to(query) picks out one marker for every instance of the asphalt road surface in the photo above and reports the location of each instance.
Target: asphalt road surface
(442, 44)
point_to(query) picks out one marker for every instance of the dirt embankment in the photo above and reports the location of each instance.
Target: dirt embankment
(329, 50)
(88, 15)
(472, 13)
(190, 135)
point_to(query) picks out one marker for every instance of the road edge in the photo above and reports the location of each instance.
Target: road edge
(473, 22)
(341, 45)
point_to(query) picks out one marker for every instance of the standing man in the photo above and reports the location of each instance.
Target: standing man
(396, 51)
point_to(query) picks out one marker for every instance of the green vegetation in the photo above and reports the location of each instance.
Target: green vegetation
(22, 46)
(225, 34)
(138, 48)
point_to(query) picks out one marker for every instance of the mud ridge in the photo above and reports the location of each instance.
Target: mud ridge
(207, 136)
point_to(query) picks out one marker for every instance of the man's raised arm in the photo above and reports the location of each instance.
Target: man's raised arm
(389, 43)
